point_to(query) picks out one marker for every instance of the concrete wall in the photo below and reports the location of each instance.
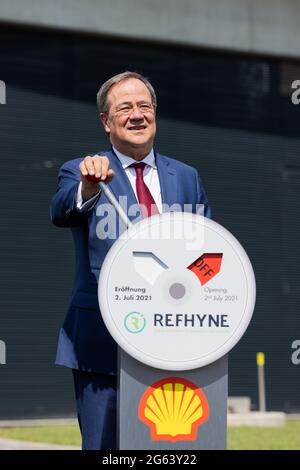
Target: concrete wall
(256, 26)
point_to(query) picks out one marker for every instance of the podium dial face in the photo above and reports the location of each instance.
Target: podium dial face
(177, 291)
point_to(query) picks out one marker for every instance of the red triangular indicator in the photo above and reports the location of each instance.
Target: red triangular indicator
(207, 266)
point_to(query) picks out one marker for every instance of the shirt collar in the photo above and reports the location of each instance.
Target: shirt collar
(127, 161)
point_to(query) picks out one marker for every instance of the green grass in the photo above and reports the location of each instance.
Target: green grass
(281, 438)
(64, 435)
(287, 437)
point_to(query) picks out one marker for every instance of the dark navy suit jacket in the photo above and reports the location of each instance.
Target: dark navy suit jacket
(84, 342)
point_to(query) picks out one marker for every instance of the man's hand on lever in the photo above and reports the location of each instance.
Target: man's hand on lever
(92, 171)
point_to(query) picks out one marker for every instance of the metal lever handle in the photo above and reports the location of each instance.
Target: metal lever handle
(114, 202)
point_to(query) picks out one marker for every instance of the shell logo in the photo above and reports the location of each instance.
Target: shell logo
(173, 408)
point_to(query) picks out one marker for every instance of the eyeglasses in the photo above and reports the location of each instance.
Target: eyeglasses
(126, 109)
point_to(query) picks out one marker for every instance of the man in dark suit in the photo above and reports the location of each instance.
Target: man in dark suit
(153, 182)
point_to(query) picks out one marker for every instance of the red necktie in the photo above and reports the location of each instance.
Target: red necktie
(148, 205)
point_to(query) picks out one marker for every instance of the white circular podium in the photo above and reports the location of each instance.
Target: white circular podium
(177, 291)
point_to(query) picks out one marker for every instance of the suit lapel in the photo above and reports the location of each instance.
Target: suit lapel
(168, 181)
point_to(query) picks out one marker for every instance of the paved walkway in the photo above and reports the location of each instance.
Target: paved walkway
(10, 444)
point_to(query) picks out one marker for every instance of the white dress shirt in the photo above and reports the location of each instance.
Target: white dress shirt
(150, 177)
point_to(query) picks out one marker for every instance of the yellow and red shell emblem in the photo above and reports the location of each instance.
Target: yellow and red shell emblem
(173, 408)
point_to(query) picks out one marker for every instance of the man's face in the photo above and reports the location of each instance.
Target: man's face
(130, 122)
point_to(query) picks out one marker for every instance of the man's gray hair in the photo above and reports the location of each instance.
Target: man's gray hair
(102, 94)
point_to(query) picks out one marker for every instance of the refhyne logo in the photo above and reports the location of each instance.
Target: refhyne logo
(135, 322)
(173, 408)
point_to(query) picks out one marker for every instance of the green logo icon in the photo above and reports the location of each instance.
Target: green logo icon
(135, 322)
